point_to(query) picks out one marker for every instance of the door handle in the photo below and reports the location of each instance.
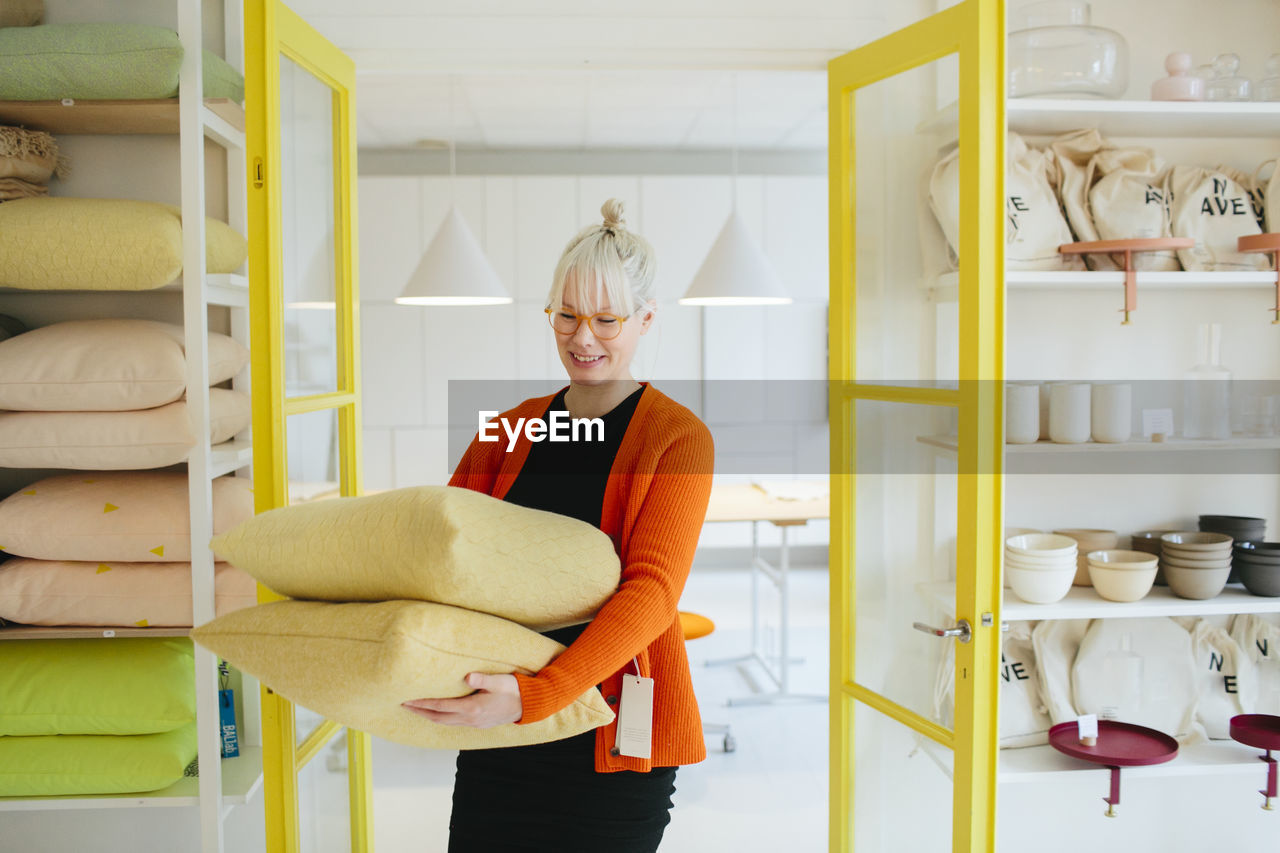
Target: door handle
(962, 631)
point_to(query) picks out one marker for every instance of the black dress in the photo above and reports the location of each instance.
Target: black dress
(548, 797)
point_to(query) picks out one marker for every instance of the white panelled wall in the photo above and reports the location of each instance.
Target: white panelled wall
(410, 353)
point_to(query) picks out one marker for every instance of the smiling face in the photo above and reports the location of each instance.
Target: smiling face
(589, 360)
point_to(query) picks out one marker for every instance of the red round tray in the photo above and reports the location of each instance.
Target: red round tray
(1259, 730)
(1119, 744)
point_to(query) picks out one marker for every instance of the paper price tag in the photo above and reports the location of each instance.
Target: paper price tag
(1087, 726)
(635, 717)
(1157, 420)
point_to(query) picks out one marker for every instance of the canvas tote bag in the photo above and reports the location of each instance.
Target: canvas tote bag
(1023, 718)
(1034, 223)
(1128, 202)
(1214, 207)
(1225, 676)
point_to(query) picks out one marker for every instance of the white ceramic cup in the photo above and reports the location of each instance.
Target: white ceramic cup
(1021, 413)
(1069, 412)
(1112, 412)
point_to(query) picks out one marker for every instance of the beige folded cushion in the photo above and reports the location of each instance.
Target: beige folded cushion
(118, 595)
(115, 441)
(111, 365)
(103, 244)
(356, 664)
(431, 543)
(101, 516)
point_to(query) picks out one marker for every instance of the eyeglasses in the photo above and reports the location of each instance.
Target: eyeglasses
(604, 326)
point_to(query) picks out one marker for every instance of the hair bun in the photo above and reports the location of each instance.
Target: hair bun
(611, 210)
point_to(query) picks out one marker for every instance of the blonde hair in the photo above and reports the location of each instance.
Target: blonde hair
(606, 262)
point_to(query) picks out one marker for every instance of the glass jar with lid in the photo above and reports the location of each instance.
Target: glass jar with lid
(1055, 51)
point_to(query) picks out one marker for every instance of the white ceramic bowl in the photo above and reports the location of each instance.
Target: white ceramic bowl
(1121, 584)
(1124, 560)
(1196, 541)
(1041, 545)
(1181, 563)
(1032, 567)
(1052, 561)
(1040, 587)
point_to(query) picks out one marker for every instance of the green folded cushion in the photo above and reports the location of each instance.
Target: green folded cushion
(102, 62)
(59, 765)
(127, 686)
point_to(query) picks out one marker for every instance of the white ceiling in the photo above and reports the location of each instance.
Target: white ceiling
(575, 74)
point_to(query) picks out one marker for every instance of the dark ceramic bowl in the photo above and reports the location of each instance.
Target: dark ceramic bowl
(1259, 579)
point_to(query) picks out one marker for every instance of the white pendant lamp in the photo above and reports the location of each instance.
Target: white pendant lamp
(735, 271)
(454, 269)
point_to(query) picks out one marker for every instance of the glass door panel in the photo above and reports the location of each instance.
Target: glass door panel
(309, 254)
(907, 166)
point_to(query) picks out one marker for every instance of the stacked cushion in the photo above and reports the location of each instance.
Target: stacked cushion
(431, 543)
(113, 594)
(116, 441)
(355, 663)
(95, 716)
(450, 574)
(108, 365)
(102, 244)
(102, 62)
(134, 516)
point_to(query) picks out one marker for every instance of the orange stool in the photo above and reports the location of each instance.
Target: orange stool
(694, 625)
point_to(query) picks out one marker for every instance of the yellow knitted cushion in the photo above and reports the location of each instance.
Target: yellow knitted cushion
(431, 543)
(356, 664)
(102, 244)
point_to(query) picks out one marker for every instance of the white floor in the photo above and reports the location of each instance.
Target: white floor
(768, 795)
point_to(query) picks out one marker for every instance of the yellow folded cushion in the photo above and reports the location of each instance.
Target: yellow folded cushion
(431, 543)
(102, 244)
(356, 664)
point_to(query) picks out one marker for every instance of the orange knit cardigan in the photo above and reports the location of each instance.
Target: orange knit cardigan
(654, 506)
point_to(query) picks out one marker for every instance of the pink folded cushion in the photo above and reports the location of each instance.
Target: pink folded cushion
(130, 516)
(120, 595)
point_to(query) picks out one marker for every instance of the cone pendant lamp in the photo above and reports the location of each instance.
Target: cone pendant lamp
(736, 271)
(454, 270)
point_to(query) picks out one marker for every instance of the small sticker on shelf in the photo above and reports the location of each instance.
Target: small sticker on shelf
(108, 633)
(68, 102)
(1157, 421)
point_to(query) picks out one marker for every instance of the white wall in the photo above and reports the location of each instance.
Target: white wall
(523, 223)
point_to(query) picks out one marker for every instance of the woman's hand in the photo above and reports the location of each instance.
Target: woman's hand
(495, 702)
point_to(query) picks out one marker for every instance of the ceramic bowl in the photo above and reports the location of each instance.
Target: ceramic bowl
(1196, 583)
(1041, 545)
(1055, 564)
(1123, 560)
(1088, 539)
(1195, 541)
(1148, 540)
(1183, 563)
(1259, 579)
(1268, 552)
(1121, 584)
(1040, 587)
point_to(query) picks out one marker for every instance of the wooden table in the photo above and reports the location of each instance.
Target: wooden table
(751, 503)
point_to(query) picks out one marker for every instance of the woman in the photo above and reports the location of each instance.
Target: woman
(646, 485)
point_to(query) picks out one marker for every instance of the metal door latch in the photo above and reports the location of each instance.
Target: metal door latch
(962, 631)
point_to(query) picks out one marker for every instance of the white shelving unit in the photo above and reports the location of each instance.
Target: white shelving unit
(222, 783)
(1083, 602)
(1039, 119)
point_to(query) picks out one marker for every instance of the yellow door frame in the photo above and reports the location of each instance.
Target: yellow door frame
(975, 30)
(271, 31)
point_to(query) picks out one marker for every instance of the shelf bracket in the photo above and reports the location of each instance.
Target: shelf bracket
(1113, 800)
(1270, 792)
(1268, 244)
(1128, 248)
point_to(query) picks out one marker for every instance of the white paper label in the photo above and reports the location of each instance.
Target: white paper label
(635, 717)
(1157, 420)
(1088, 725)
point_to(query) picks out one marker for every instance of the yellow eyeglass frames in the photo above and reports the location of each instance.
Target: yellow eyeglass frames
(604, 326)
